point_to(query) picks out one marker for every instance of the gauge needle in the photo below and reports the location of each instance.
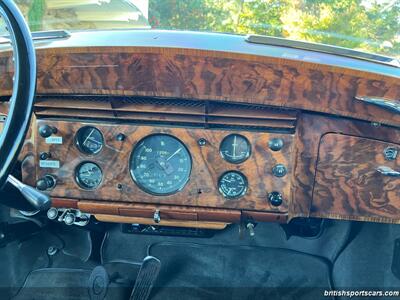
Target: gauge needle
(89, 172)
(176, 152)
(93, 140)
(234, 147)
(88, 137)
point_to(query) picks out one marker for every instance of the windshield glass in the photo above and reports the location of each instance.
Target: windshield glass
(44, 15)
(365, 25)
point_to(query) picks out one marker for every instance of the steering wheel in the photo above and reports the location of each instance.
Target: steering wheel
(24, 85)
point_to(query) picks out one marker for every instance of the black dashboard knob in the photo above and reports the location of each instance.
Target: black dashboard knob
(46, 183)
(45, 131)
(275, 144)
(279, 170)
(120, 137)
(275, 198)
(45, 155)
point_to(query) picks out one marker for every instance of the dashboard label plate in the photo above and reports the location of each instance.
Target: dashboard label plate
(54, 140)
(53, 164)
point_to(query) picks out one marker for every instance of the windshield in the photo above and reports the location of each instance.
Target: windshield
(365, 25)
(44, 15)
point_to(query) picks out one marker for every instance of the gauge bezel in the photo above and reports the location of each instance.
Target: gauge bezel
(244, 192)
(228, 159)
(143, 188)
(80, 147)
(78, 181)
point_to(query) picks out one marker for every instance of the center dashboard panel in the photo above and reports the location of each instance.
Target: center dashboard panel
(195, 167)
(237, 120)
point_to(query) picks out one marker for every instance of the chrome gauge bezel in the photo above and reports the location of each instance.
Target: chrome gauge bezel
(144, 188)
(227, 158)
(81, 147)
(243, 193)
(79, 181)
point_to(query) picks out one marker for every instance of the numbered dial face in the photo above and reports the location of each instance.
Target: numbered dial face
(88, 175)
(89, 140)
(160, 164)
(232, 185)
(235, 148)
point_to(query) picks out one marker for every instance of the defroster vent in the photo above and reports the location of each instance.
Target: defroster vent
(185, 112)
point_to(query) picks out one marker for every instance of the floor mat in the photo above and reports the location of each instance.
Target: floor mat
(56, 283)
(73, 283)
(193, 271)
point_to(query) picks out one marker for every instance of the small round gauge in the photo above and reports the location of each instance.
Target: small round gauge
(232, 184)
(160, 164)
(88, 175)
(235, 148)
(89, 140)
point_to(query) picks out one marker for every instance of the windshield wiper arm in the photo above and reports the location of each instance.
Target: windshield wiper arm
(275, 41)
(41, 35)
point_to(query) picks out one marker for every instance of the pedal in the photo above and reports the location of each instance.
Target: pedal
(98, 283)
(146, 278)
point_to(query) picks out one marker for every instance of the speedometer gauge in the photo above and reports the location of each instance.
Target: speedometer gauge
(160, 164)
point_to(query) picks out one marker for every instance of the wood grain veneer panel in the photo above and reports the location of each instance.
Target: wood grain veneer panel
(310, 129)
(182, 223)
(208, 166)
(210, 75)
(168, 212)
(26, 154)
(347, 184)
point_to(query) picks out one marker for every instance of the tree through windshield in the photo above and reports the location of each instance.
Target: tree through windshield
(366, 25)
(372, 26)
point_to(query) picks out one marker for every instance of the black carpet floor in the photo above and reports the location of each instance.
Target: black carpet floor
(368, 260)
(226, 266)
(118, 245)
(193, 271)
(74, 283)
(55, 283)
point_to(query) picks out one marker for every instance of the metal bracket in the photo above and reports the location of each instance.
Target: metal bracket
(382, 103)
(68, 216)
(387, 171)
(156, 216)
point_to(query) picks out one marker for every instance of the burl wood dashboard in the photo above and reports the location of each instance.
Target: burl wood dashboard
(207, 166)
(332, 143)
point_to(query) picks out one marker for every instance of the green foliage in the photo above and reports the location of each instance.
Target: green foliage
(35, 14)
(367, 25)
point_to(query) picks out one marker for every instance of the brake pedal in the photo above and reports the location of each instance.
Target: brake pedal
(146, 278)
(98, 283)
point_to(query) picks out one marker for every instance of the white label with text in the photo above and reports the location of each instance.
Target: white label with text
(54, 140)
(53, 164)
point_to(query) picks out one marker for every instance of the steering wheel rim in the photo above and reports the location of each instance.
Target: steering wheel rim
(24, 88)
